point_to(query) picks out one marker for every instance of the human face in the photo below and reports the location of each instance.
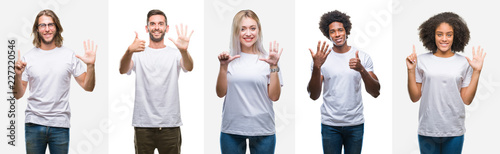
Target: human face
(337, 33)
(157, 27)
(46, 29)
(248, 33)
(444, 37)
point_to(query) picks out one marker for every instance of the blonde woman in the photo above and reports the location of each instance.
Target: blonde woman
(250, 80)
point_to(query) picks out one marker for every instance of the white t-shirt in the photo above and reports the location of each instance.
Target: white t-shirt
(48, 73)
(156, 87)
(247, 109)
(442, 111)
(342, 101)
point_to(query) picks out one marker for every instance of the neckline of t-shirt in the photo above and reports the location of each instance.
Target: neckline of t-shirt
(48, 51)
(443, 58)
(248, 54)
(345, 53)
(165, 48)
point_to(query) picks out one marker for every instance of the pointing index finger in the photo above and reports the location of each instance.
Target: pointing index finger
(18, 55)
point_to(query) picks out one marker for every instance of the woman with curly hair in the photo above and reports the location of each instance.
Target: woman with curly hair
(250, 80)
(341, 73)
(443, 81)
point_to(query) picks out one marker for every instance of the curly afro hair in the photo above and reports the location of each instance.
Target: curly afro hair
(461, 34)
(334, 16)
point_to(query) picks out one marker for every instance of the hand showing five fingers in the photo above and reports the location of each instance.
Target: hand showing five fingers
(20, 65)
(225, 58)
(411, 60)
(321, 53)
(274, 56)
(477, 59)
(182, 41)
(90, 51)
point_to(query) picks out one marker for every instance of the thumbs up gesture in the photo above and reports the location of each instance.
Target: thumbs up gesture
(138, 45)
(355, 63)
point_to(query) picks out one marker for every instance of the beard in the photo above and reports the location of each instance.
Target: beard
(47, 42)
(156, 39)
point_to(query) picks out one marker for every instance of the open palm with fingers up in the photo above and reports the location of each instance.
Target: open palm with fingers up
(322, 52)
(182, 41)
(274, 56)
(90, 52)
(477, 59)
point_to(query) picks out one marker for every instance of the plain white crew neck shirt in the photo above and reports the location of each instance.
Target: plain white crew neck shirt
(247, 108)
(156, 87)
(48, 73)
(342, 101)
(442, 110)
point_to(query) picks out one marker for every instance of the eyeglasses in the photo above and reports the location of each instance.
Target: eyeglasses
(43, 26)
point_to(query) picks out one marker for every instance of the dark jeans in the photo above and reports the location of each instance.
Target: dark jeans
(237, 144)
(440, 145)
(167, 140)
(39, 136)
(336, 136)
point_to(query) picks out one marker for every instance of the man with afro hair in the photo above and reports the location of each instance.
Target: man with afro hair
(341, 73)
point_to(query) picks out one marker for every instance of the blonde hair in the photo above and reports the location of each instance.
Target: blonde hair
(235, 45)
(58, 39)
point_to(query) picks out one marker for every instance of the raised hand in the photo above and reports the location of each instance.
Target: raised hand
(225, 58)
(355, 63)
(138, 45)
(20, 65)
(477, 59)
(411, 60)
(182, 41)
(321, 53)
(90, 50)
(274, 56)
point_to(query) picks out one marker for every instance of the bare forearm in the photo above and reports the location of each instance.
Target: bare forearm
(18, 87)
(187, 61)
(314, 86)
(89, 83)
(221, 87)
(470, 92)
(372, 86)
(125, 63)
(274, 90)
(413, 89)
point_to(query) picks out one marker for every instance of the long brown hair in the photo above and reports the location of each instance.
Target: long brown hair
(58, 39)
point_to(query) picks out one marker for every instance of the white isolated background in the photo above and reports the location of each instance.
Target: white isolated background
(125, 17)
(371, 33)
(481, 116)
(81, 20)
(277, 21)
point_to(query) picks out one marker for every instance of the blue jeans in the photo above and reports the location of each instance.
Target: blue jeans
(336, 136)
(38, 136)
(440, 145)
(237, 144)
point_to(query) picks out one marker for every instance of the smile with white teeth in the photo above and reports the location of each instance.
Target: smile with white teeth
(248, 39)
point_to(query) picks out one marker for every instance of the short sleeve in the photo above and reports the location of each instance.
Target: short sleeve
(468, 76)
(133, 62)
(418, 72)
(78, 67)
(367, 62)
(25, 75)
